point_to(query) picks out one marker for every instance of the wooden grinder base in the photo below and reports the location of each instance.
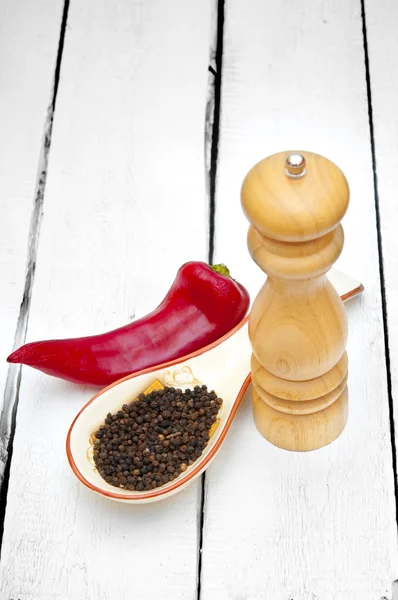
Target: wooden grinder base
(310, 414)
(301, 432)
(297, 325)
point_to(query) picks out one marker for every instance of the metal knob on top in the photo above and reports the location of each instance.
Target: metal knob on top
(295, 165)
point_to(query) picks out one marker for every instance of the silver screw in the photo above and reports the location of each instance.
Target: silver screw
(295, 166)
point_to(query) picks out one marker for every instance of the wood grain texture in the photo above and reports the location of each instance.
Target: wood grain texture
(298, 391)
(124, 207)
(382, 23)
(300, 432)
(295, 209)
(29, 34)
(321, 524)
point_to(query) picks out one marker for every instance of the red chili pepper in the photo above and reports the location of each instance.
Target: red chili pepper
(202, 305)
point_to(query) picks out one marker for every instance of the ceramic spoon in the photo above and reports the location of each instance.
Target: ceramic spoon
(223, 366)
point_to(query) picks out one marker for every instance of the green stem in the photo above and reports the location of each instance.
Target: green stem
(222, 269)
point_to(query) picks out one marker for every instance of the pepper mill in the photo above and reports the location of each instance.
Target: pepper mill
(297, 327)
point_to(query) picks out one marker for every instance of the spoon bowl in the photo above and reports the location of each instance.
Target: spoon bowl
(223, 366)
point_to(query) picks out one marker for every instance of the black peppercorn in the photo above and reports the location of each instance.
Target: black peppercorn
(154, 439)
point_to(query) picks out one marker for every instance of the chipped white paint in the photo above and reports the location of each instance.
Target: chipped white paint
(382, 24)
(395, 590)
(126, 172)
(321, 524)
(29, 33)
(125, 205)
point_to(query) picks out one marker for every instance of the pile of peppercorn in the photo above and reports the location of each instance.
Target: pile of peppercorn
(152, 440)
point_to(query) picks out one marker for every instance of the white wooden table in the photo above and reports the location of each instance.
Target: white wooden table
(125, 131)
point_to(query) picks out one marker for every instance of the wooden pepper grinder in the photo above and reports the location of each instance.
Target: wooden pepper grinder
(298, 327)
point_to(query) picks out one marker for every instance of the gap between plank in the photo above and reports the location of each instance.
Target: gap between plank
(212, 134)
(381, 259)
(13, 382)
(212, 125)
(395, 590)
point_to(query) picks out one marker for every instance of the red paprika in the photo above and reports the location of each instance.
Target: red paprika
(202, 305)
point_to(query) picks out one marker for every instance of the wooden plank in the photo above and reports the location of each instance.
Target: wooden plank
(381, 26)
(322, 524)
(125, 206)
(29, 34)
